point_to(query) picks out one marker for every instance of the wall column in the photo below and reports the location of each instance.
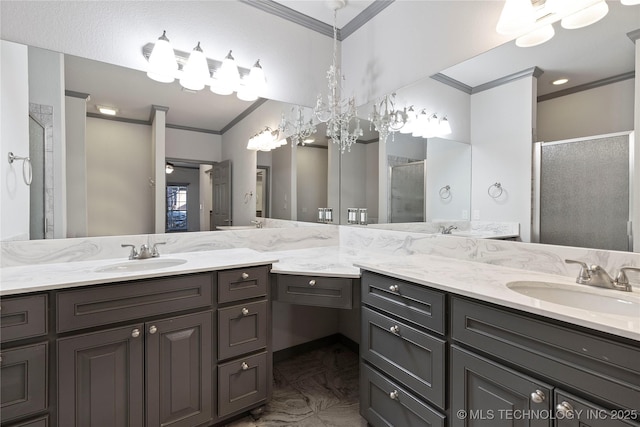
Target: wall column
(158, 127)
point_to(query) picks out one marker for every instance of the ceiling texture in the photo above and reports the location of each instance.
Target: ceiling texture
(600, 51)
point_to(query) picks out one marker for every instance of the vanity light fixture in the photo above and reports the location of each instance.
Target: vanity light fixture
(586, 16)
(196, 71)
(266, 140)
(536, 37)
(559, 82)
(162, 61)
(168, 168)
(109, 111)
(226, 79)
(630, 2)
(431, 126)
(411, 120)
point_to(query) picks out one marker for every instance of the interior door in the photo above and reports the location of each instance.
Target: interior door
(222, 194)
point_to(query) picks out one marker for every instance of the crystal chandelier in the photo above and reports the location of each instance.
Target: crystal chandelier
(298, 129)
(338, 113)
(386, 118)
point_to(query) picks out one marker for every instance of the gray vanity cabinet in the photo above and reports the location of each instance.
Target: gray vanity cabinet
(486, 393)
(571, 411)
(319, 291)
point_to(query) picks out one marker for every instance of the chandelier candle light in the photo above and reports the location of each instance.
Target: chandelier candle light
(299, 129)
(386, 118)
(338, 113)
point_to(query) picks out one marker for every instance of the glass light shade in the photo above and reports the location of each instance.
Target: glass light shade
(256, 80)
(630, 2)
(536, 37)
(246, 92)
(162, 61)
(420, 125)
(444, 127)
(432, 129)
(587, 16)
(227, 76)
(516, 16)
(168, 168)
(411, 120)
(196, 71)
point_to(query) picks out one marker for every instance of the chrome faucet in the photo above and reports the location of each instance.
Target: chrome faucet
(448, 229)
(258, 224)
(595, 275)
(145, 251)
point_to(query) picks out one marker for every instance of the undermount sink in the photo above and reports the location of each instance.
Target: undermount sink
(557, 293)
(140, 265)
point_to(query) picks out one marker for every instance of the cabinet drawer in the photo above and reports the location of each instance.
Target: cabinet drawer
(414, 303)
(489, 391)
(318, 291)
(406, 354)
(242, 383)
(242, 329)
(608, 369)
(242, 283)
(574, 412)
(103, 305)
(38, 422)
(23, 317)
(385, 403)
(24, 381)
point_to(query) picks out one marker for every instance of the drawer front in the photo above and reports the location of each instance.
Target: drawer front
(242, 283)
(24, 381)
(571, 411)
(406, 354)
(318, 291)
(133, 300)
(38, 422)
(608, 369)
(242, 383)
(384, 402)
(23, 317)
(242, 329)
(414, 303)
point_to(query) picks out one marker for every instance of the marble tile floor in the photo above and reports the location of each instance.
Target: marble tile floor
(314, 389)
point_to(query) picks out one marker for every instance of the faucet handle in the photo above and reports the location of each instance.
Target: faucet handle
(154, 251)
(583, 275)
(621, 277)
(133, 254)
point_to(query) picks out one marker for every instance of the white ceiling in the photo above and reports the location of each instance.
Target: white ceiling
(322, 10)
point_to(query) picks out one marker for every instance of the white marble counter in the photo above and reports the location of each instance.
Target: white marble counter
(33, 278)
(487, 282)
(329, 261)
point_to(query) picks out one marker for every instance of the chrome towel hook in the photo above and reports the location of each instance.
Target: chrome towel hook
(27, 171)
(445, 192)
(496, 192)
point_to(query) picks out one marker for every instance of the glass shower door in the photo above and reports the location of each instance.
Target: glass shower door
(37, 189)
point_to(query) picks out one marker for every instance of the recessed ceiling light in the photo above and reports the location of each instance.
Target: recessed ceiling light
(559, 82)
(109, 111)
(309, 140)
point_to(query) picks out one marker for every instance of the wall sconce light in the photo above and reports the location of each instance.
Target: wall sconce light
(195, 70)
(168, 168)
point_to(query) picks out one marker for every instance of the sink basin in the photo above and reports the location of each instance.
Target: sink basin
(557, 293)
(140, 265)
(236, 227)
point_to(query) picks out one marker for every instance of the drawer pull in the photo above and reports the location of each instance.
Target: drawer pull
(245, 311)
(135, 333)
(153, 329)
(394, 288)
(244, 366)
(245, 276)
(395, 329)
(538, 396)
(393, 395)
(565, 409)
(312, 282)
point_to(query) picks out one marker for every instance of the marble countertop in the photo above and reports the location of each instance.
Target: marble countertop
(42, 277)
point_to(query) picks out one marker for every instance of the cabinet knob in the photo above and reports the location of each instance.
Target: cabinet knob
(153, 329)
(245, 311)
(244, 366)
(394, 288)
(393, 395)
(565, 409)
(245, 276)
(312, 282)
(395, 329)
(538, 396)
(135, 333)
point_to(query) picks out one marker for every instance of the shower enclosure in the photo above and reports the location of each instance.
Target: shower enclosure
(407, 192)
(583, 192)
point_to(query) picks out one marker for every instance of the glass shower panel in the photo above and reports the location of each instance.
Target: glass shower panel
(36, 190)
(407, 189)
(584, 193)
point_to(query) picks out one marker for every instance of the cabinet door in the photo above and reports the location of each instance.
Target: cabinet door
(100, 378)
(242, 383)
(484, 393)
(242, 329)
(571, 411)
(178, 366)
(24, 381)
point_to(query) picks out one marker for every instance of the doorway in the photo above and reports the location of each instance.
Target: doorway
(262, 191)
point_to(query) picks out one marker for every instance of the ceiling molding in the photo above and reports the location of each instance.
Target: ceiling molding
(634, 35)
(587, 86)
(312, 145)
(363, 17)
(368, 141)
(534, 71)
(452, 82)
(74, 94)
(244, 114)
(118, 119)
(192, 129)
(154, 110)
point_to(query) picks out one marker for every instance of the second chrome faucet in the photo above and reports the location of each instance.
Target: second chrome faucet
(595, 275)
(145, 251)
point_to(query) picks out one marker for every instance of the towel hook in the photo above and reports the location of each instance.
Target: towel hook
(445, 192)
(27, 174)
(495, 193)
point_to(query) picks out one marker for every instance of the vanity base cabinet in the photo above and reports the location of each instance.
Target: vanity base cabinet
(484, 393)
(571, 411)
(242, 383)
